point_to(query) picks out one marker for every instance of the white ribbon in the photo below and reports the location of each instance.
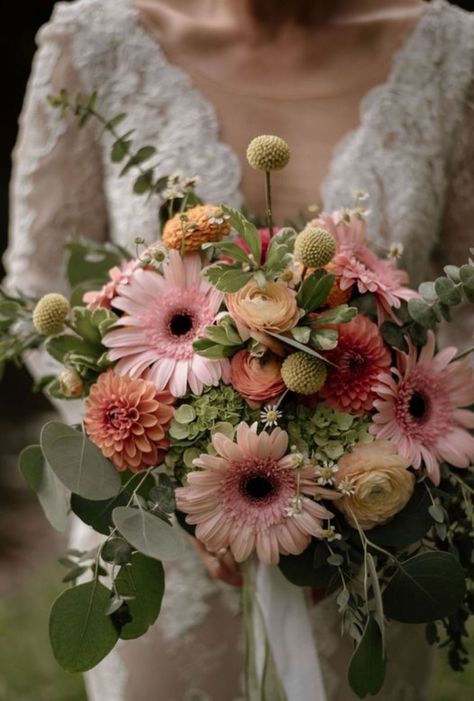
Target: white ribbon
(288, 631)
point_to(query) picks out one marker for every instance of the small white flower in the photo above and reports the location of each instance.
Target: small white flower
(190, 183)
(325, 472)
(297, 458)
(270, 415)
(361, 195)
(292, 276)
(330, 534)
(217, 217)
(346, 486)
(396, 250)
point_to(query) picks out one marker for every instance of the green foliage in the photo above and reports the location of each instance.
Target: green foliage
(116, 551)
(227, 277)
(323, 339)
(78, 463)
(314, 291)
(52, 495)
(409, 526)
(81, 633)
(247, 231)
(149, 534)
(17, 333)
(87, 260)
(311, 568)
(367, 666)
(141, 583)
(98, 513)
(426, 587)
(279, 253)
(220, 340)
(338, 315)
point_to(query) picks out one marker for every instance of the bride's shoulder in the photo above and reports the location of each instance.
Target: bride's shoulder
(98, 19)
(454, 27)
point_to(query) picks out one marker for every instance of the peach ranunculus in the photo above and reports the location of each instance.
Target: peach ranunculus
(270, 308)
(375, 484)
(257, 379)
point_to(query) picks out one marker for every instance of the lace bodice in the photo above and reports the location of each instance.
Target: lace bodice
(413, 152)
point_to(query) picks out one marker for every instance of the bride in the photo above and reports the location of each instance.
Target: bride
(371, 95)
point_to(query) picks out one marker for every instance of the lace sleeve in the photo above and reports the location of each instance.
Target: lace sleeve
(56, 188)
(458, 223)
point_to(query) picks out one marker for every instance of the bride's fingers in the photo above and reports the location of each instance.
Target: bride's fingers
(222, 567)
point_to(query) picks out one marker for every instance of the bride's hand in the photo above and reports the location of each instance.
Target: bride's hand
(222, 567)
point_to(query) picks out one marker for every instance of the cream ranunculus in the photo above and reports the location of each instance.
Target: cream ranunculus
(375, 482)
(270, 308)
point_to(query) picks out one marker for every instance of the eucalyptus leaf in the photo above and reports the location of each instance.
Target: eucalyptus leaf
(149, 534)
(142, 580)
(78, 463)
(426, 587)
(81, 634)
(409, 526)
(367, 666)
(314, 291)
(52, 495)
(116, 551)
(422, 313)
(247, 230)
(447, 291)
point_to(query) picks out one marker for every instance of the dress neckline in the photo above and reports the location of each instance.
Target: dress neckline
(373, 96)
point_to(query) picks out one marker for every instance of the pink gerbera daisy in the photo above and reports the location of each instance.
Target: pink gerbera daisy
(164, 315)
(103, 299)
(242, 498)
(420, 408)
(355, 264)
(358, 359)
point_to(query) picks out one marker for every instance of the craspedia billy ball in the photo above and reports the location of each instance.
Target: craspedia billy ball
(268, 152)
(303, 373)
(315, 247)
(50, 314)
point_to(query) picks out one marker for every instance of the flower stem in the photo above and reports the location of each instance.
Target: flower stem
(268, 200)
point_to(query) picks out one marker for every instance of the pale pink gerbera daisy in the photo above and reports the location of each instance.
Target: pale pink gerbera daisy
(103, 299)
(355, 264)
(243, 498)
(164, 315)
(420, 408)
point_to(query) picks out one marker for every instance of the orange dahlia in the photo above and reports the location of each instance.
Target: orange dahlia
(189, 230)
(128, 420)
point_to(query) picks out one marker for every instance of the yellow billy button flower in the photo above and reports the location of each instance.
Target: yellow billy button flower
(315, 247)
(268, 153)
(50, 314)
(303, 374)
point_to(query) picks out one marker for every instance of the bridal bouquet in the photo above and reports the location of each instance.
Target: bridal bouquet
(278, 393)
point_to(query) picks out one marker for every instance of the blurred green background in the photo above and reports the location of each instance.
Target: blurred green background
(30, 577)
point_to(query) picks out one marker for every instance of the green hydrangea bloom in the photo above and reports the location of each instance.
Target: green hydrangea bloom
(329, 432)
(217, 409)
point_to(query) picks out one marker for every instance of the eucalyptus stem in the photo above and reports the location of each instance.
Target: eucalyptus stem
(268, 200)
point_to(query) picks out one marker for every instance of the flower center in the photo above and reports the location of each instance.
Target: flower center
(121, 417)
(418, 406)
(181, 324)
(257, 487)
(355, 363)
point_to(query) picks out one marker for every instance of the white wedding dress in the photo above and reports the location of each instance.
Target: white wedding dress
(413, 151)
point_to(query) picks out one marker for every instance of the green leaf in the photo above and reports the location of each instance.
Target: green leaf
(211, 350)
(90, 261)
(230, 249)
(367, 666)
(291, 342)
(218, 335)
(143, 183)
(91, 325)
(418, 334)
(394, 335)
(422, 313)
(315, 290)
(59, 347)
(452, 271)
(324, 339)
(447, 291)
(247, 230)
(466, 275)
(143, 154)
(279, 253)
(436, 512)
(77, 294)
(185, 414)
(310, 569)
(119, 150)
(409, 526)
(115, 121)
(97, 514)
(51, 493)
(78, 463)
(301, 333)
(81, 634)
(148, 533)
(227, 278)
(144, 580)
(426, 587)
(116, 551)
(339, 315)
